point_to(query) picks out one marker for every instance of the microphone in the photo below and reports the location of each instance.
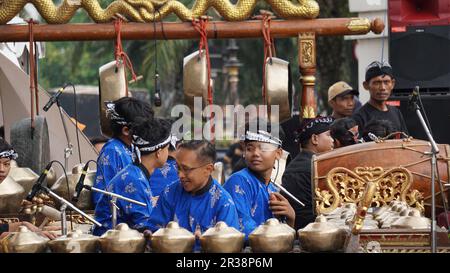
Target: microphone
(157, 96)
(80, 185)
(373, 137)
(54, 98)
(37, 186)
(412, 101)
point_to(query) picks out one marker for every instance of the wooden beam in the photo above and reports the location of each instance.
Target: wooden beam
(184, 30)
(307, 64)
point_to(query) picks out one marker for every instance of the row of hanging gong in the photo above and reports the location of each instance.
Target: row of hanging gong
(276, 86)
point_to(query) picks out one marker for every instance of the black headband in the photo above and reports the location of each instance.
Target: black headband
(376, 69)
(314, 127)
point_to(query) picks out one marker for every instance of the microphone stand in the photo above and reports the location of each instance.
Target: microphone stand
(113, 201)
(434, 151)
(63, 208)
(68, 151)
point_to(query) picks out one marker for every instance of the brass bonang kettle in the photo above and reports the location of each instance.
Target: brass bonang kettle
(74, 242)
(321, 236)
(272, 237)
(172, 239)
(122, 239)
(23, 241)
(222, 239)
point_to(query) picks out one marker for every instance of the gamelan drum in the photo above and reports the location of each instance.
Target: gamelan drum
(401, 168)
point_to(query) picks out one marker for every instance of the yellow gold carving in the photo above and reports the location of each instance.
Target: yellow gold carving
(155, 10)
(359, 25)
(8, 220)
(308, 80)
(347, 186)
(308, 112)
(307, 44)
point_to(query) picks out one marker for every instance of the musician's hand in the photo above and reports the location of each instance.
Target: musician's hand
(47, 234)
(198, 233)
(147, 234)
(280, 207)
(14, 227)
(4, 235)
(51, 228)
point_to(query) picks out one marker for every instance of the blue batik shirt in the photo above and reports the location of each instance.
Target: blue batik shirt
(164, 176)
(114, 156)
(192, 212)
(132, 182)
(251, 196)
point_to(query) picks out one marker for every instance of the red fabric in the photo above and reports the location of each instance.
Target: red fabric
(120, 54)
(200, 25)
(269, 50)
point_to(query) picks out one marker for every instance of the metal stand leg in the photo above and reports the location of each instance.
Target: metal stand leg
(433, 153)
(63, 219)
(67, 151)
(114, 209)
(433, 204)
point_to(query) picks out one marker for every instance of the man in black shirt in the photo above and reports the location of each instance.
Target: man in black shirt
(379, 82)
(314, 138)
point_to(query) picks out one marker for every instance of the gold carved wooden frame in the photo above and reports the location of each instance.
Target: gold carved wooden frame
(346, 186)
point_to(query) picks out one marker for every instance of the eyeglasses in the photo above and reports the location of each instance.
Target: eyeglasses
(188, 170)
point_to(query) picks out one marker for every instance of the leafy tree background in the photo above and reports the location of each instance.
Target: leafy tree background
(78, 62)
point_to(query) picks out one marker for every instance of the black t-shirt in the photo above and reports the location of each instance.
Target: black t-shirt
(232, 153)
(290, 127)
(367, 113)
(297, 180)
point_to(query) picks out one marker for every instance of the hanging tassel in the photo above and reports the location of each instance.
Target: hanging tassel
(32, 74)
(269, 50)
(200, 25)
(120, 55)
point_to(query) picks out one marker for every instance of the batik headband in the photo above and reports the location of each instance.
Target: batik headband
(261, 136)
(11, 154)
(112, 114)
(145, 146)
(314, 127)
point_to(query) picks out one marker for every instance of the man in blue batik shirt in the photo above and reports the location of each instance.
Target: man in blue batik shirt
(151, 137)
(256, 197)
(116, 154)
(197, 202)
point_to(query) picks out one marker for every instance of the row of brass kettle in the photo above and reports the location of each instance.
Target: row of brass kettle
(329, 232)
(272, 236)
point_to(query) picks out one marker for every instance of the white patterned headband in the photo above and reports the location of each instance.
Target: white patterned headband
(262, 136)
(144, 146)
(112, 114)
(11, 154)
